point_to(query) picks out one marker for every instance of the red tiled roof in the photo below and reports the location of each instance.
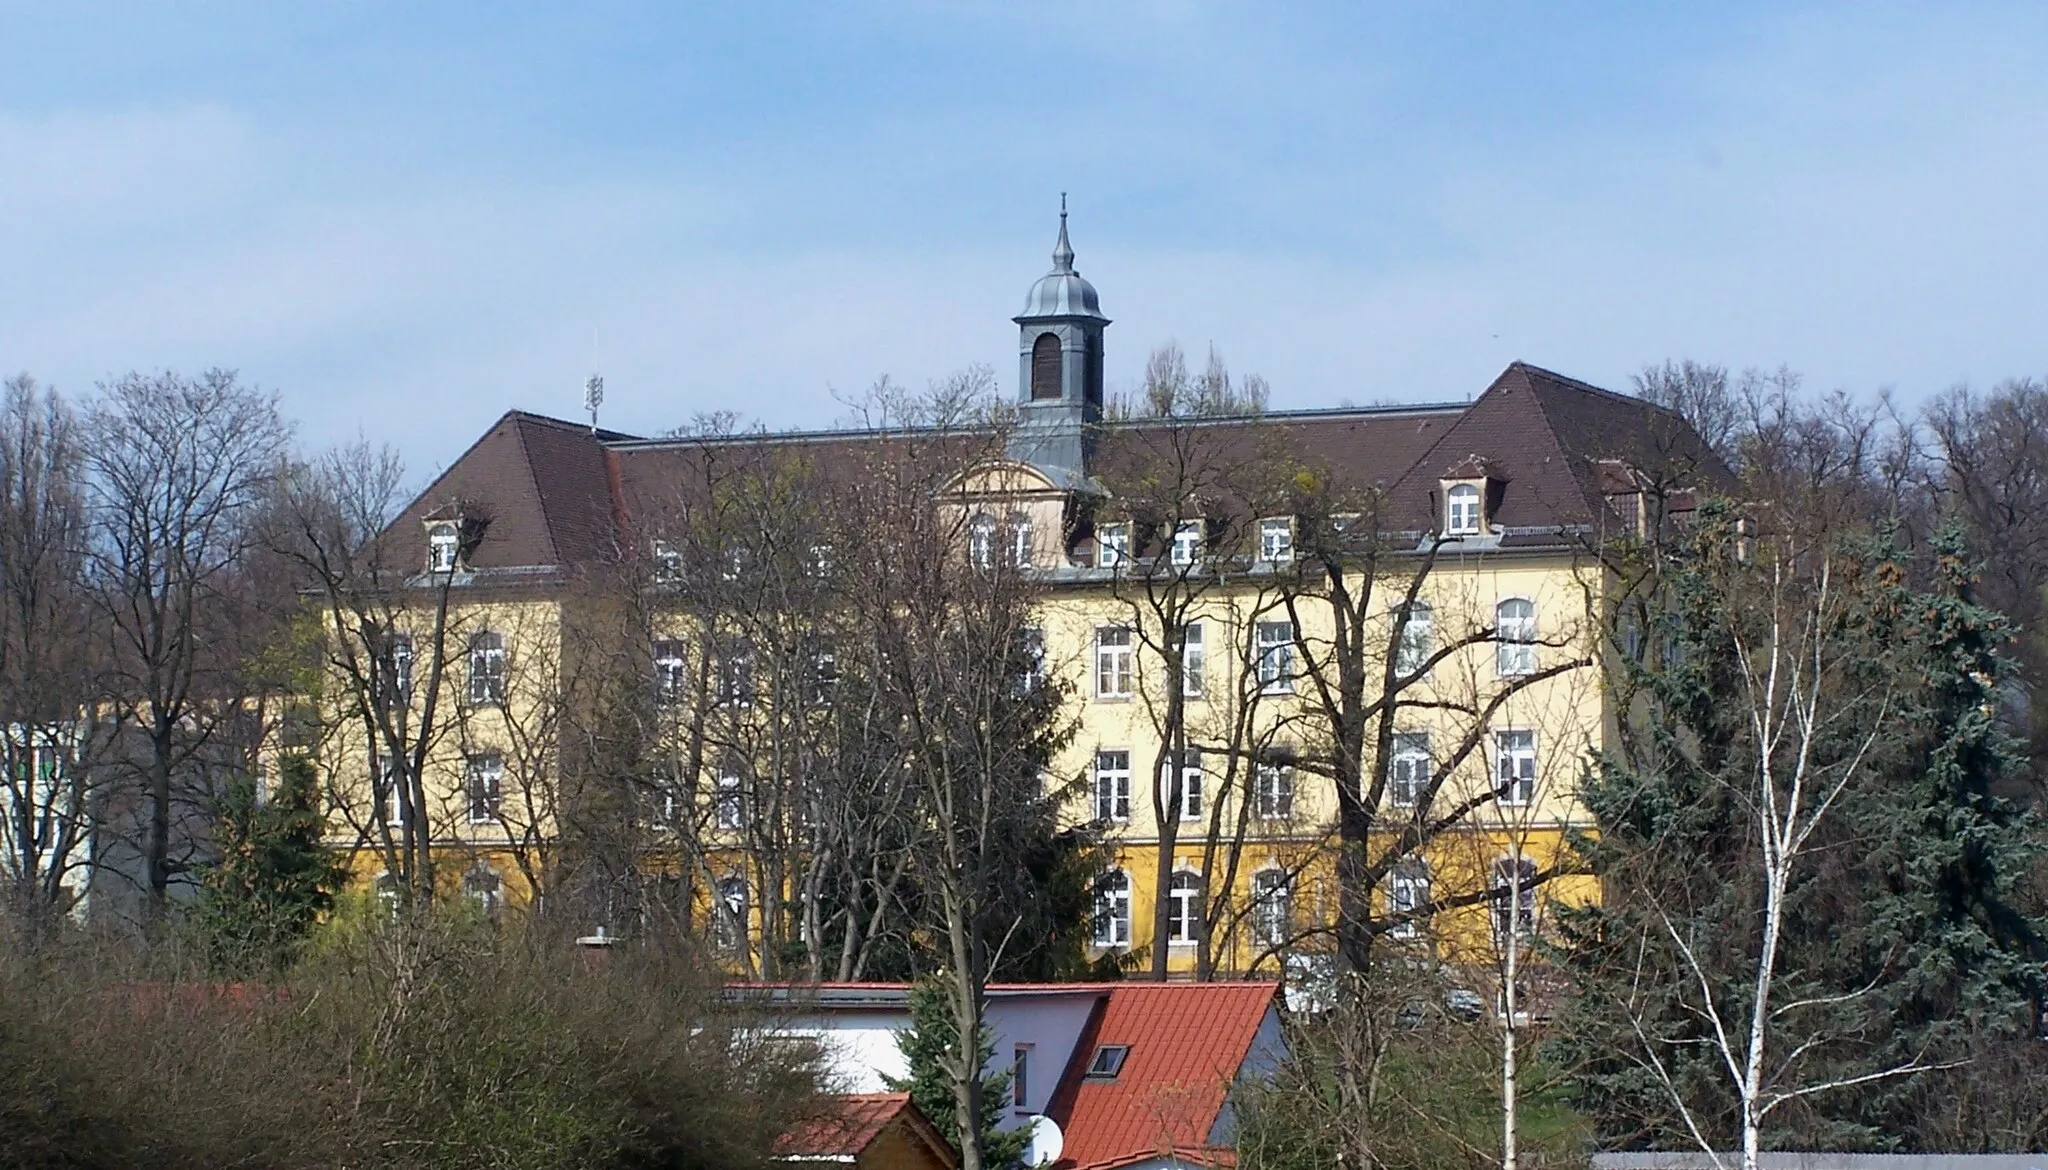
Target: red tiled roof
(852, 1124)
(1187, 1042)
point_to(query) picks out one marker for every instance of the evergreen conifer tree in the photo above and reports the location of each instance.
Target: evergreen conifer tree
(274, 878)
(1908, 940)
(931, 1035)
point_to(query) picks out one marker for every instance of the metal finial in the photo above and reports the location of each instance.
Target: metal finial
(1063, 252)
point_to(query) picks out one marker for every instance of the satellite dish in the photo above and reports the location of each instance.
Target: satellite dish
(1047, 1142)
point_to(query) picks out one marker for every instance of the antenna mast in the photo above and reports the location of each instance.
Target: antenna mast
(593, 397)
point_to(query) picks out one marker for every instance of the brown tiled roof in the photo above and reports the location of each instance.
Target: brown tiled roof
(559, 495)
(851, 1124)
(541, 481)
(1544, 435)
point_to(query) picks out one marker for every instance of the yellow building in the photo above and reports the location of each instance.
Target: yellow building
(1361, 634)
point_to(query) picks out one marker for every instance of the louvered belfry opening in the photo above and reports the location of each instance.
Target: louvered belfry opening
(1045, 367)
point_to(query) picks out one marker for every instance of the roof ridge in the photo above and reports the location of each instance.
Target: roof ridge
(590, 429)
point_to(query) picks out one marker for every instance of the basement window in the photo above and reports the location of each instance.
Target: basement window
(1109, 1061)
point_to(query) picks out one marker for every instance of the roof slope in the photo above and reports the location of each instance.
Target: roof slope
(543, 484)
(1187, 1042)
(1544, 435)
(851, 1125)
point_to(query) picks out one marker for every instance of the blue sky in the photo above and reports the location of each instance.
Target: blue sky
(408, 217)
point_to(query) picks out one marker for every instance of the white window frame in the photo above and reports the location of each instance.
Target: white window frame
(1114, 676)
(1407, 889)
(729, 803)
(1510, 746)
(1182, 787)
(1183, 908)
(1112, 926)
(483, 786)
(1272, 790)
(384, 776)
(1513, 902)
(1017, 543)
(668, 564)
(444, 547)
(1515, 638)
(1464, 510)
(1271, 915)
(1276, 540)
(1193, 660)
(1409, 768)
(488, 674)
(1189, 539)
(981, 541)
(671, 671)
(1112, 785)
(1031, 647)
(1275, 657)
(736, 674)
(1112, 546)
(1417, 640)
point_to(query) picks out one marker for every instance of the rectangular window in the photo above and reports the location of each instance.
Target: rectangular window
(443, 549)
(1112, 545)
(1272, 898)
(1276, 657)
(391, 797)
(670, 680)
(1276, 540)
(1183, 908)
(1192, 660)
(398, 669)
(1418, 638)
(730, 804)
(1113, 785)
(1113, 909)
(487, 669)
(668, 564)
(1409, 771)
(1515, 766)
(1407, 893)
(1462, 505)
(736, 675)
(1515, 632)
(1273, 791)
(1188, 538)
(1030, 659)
(1182, 786)
(1514, 898)
(484, 776)
(1113, 662)
(1020, 1079)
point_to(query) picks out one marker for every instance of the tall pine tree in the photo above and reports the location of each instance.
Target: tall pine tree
(274, 878)
(1908, 934)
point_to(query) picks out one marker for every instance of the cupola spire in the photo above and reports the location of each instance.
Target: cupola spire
(1063, 252)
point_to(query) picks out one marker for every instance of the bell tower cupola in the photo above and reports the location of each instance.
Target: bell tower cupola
(1059, 359)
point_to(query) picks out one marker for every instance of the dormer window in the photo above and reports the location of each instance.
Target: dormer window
(1462, 510)
(1188, 538)
(444, 547)
(1112, 545)
(1276, 540)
